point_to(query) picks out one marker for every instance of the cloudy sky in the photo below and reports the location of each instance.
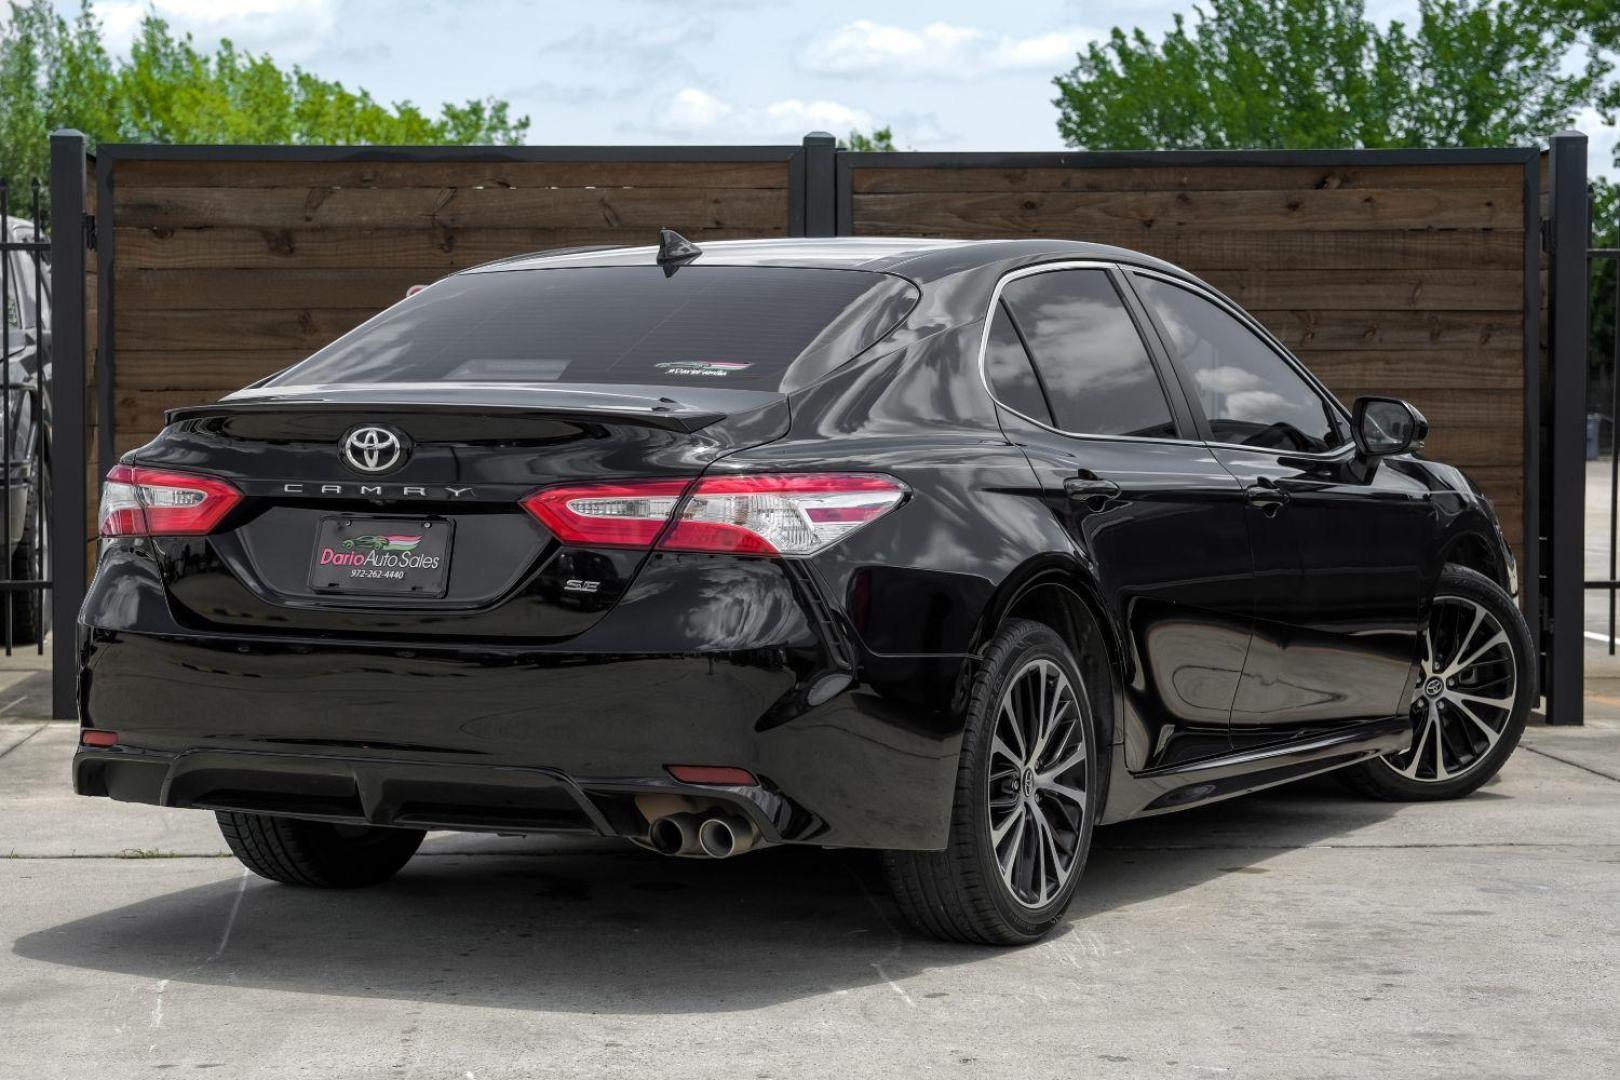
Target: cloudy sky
(945, 74)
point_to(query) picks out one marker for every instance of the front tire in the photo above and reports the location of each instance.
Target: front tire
(1476, 685)
(319, 854)
(1026, 799)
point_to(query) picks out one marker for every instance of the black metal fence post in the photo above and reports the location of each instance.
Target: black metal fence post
(70, 432)
(1563, 503)
(820, 198)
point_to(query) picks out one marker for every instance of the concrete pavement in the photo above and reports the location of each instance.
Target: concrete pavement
(1300, 933)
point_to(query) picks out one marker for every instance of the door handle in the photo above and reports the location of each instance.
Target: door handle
(1093, 490)
(1266, 496)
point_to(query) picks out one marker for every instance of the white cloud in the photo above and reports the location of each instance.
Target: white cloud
(939, 50)
(1603, 146)
(693, 112)
(290, 30)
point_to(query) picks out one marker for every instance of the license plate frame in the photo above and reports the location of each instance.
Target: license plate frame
(370, 555)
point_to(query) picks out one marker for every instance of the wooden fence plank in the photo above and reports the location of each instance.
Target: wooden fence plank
(901, 180)
(374, 288)
(512, 174)
(207, 331)
(218, 371)
(404, 208)
(1402, 370)
(1064, 213)
(1380, 330)
(441, 249)
(1454, 290)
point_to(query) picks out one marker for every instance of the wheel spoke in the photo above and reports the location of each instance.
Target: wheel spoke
(1498, 638)
(1490, 733)
(1077, 755)
(1049, 862)
(1462, 641)
(1494, 702)
(1064, 791)
(1008, 861)
(999, 748)
(1440, 772)
(1430, 720)
(1014, 728)
(1014, 817)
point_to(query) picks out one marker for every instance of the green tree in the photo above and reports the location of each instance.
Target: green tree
(55, 73)
(881, 139)
(1319, 73)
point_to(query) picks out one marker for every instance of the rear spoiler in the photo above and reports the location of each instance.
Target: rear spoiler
(643, 407)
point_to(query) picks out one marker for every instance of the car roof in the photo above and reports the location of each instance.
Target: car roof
(920, 259)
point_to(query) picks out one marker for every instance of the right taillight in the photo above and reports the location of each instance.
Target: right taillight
(780, 513)
(138, 501)
(763, 514)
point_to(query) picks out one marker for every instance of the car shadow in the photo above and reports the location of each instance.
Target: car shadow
(590, 927)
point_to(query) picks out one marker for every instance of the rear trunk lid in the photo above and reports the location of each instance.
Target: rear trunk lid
(466, 456)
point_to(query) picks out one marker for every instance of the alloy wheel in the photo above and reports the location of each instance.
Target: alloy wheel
(1038, 783)
(1468, 682)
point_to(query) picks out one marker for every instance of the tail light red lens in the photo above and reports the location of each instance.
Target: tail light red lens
(607, 515)
(780, 513)
(138, 501)
(766, 514)
(92, 737)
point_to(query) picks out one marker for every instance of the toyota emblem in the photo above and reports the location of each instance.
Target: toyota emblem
(373, 449)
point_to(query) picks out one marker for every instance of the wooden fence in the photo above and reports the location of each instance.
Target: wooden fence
(1404, 272)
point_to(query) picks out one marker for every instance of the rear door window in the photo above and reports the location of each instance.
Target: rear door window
(1092, 363)
(754, 328)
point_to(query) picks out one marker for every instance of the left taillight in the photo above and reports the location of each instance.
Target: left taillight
(138, 501)
(762, 514)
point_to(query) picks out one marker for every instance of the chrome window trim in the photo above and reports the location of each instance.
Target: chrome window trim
(984, 344)
(1268, 339)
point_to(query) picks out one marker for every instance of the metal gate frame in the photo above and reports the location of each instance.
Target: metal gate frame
(1562, 430)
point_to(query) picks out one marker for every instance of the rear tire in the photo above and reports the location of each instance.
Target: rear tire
(317, 853)
(1460, 737)
(1026, 798)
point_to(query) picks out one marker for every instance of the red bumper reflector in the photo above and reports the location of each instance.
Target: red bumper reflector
(92, 737)
(712, 774)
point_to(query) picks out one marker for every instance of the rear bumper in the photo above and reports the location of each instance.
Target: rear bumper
(405, 793)
(850, 748)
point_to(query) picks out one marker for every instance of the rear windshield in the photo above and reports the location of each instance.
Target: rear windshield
(753, 328)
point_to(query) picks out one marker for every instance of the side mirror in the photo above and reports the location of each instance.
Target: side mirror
(1385, 426)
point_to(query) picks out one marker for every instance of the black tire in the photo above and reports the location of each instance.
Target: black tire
(317, 853)
(960, 893)
(1382, 778)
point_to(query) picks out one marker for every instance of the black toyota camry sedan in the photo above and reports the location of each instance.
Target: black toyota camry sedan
(954, 550)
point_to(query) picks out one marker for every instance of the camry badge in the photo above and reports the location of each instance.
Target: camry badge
(373, 449)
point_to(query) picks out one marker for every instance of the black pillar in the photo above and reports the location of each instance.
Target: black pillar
(70, 432)
(1563, 495)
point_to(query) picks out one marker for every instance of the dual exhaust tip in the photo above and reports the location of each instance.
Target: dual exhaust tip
(714, 836)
